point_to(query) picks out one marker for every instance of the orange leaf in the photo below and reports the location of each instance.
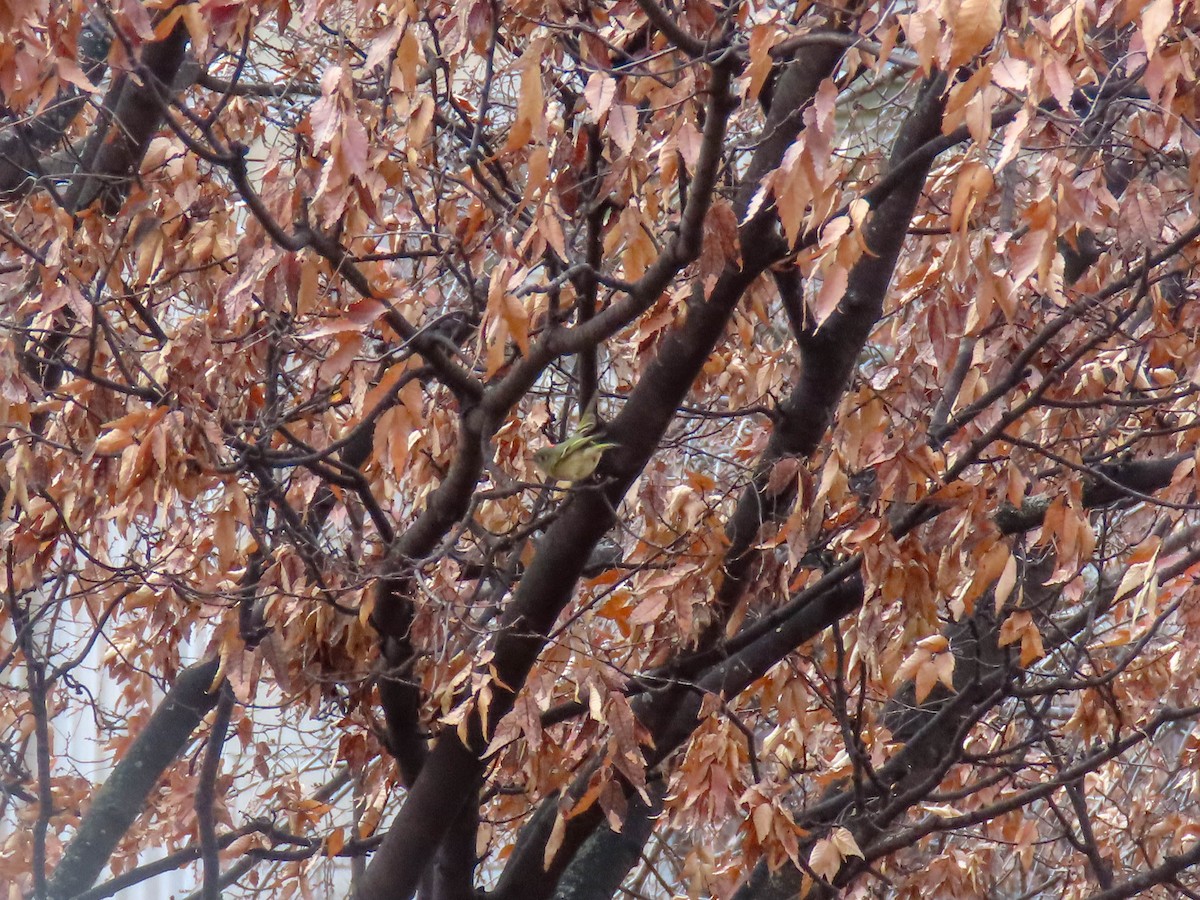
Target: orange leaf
(1008, 580)
(762, 38)
(531, 105)
(974, 24)
(557, 833)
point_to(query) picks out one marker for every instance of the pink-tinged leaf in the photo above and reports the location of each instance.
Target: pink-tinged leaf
(834, 231)
(783, 474)
(1013, 134)
(353, 146)
(649, 610)
(1059, 80)
(763, 817)
(599, 93)
(1026, 254)
(1011, 74)
(923, 30)
(688, 140)
(833, 288)
(221, 13)
(69, 71)
(825, 104)
(479, 25)
(359, 316)
(828, 853)
(324, 115)
(859, 212)
(1155, 18)
(622, 125)
(135, 13)
(382, 45)
(825, 859)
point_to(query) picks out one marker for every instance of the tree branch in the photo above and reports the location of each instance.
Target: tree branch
(123, 796)
(206, 794)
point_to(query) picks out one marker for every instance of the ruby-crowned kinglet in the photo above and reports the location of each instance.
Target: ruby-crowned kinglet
(575, 458)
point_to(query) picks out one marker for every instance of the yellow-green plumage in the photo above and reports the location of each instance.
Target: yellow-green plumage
(577, 457)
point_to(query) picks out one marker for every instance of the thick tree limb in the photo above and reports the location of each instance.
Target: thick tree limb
(206, 793)
(1164, 873)
(138, 113)
(600, 866)
(123, 796)
(932, 731)
(22, 163)
(673, 30)
(452, 875)
(1103, 492)
(827, 358)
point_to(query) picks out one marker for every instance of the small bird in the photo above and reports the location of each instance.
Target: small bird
(577, 457)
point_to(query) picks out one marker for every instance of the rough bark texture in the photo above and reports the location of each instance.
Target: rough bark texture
(600, 866)
(123, 796)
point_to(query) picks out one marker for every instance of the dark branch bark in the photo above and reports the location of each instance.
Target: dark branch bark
(600, 866)
(671, 714)
(828, 356)
(932, 731)
(673, 30)
(206, 794)
(36, 682)
(138, 113)
(1121, 481)
(123, 796)
(452, 875)
(1164, 873)
(22, 161)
